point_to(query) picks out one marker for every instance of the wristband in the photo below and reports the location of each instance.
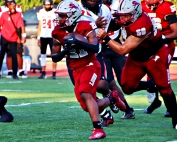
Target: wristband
(23, 34)
(38, 37)
(107, 39)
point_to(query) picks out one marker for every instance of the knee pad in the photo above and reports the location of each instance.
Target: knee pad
(43, 60)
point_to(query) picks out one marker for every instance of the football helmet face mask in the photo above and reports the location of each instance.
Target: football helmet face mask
(68, 11)
(128, 12)
(92, 5)
(48, 5)
(153, 4)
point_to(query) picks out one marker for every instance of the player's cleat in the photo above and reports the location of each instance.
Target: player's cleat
(167, 114)
(43, 76)
(9, 74)
(114, 108)
(97, 134)
(107, 119)
(15, 77)
(129, 114)
(154, 105)
(119, 103)
(22, 75)
(54, 77)
(6, 116)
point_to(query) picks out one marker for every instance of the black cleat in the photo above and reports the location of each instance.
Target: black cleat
(15, 77)
(129, 114)
(43, 76)
(107, 119)
(167, 114)
(54, 77)
(154, 105)
(114, 108)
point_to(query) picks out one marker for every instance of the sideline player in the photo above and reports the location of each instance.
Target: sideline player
(45, 27)
(142, 39)
(164, 14)
(82, 61)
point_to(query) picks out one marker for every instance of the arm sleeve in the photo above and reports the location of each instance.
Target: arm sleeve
(58, 57)
(87, 46)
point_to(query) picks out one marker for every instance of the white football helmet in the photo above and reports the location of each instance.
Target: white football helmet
(71, 9)
(128, 7)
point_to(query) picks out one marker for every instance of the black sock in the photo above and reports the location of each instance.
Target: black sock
(54, 73)
(43, 72)
(144, 85)
(96, 124)
(156, 96)
(170, 103)
(127, 106)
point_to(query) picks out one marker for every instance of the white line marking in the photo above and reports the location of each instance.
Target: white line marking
(36, 103)
(6, 90)
(11, 82)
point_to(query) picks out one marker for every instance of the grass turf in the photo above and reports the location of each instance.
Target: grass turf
(47, 111)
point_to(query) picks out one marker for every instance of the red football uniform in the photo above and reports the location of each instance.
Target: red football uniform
(86, 69)
(149, 57)
(164, 9)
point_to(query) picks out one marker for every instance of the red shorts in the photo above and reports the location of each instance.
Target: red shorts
(86, 81)
(156, 67)
(171, 50)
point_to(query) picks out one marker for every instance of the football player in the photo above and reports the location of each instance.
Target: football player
(164, 14)
(5, 116)
(142, 39)
(115, 61)
(102, 17)
(46, 16)
(19, 47)
(80, 51)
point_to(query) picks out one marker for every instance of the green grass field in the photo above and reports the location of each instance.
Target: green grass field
(47, 111)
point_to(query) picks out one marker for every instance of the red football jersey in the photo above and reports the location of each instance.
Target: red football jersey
(166, 8)
(77, 57)
(144, 27)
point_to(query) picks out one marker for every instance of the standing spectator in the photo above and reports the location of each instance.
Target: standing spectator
(45, 27)
(5, 116)
(19, 46)
(10, 22)
(164, 14)
(143, 39)
(82, 61)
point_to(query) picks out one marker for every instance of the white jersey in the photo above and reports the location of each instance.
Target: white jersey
(4, 9)
(104, 12)
(46, 18)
